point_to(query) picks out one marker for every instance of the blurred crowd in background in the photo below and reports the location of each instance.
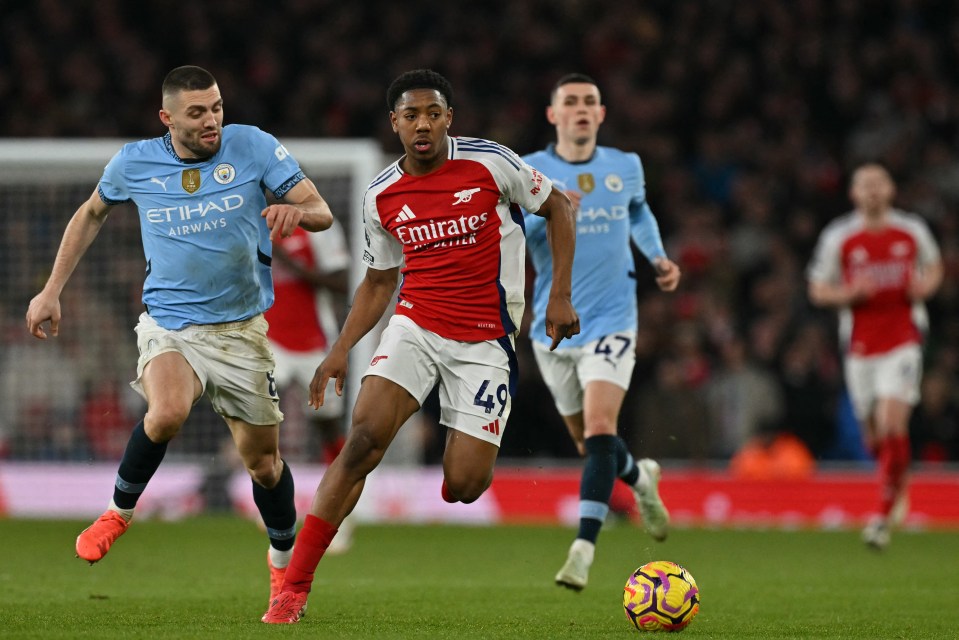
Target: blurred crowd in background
(748, 117)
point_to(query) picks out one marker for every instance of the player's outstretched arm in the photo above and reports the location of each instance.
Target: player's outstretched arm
(301, 206)
(562, 320)
(77, 237)
(369, 304)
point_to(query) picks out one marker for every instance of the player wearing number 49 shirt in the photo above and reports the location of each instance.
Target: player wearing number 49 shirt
(588, 375)
(448, 213)
(878, 266)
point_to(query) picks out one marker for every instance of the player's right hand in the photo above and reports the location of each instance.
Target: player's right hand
(575, 197)
(562, 321)
(43, 308)
(333, 366)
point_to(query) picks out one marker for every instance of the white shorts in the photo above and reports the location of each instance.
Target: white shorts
(233, 361)
(476, 379)
(896, 374)
(298, 367)
(567, 371)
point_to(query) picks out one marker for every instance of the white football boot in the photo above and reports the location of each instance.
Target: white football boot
(575, 573)
(651, 507)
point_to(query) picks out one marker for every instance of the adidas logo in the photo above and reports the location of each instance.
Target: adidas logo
(492, 427)
(405, 214)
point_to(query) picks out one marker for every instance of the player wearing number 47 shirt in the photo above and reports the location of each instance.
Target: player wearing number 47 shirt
(588, 375)
(878, 266)
(206, 229)
(449, 209)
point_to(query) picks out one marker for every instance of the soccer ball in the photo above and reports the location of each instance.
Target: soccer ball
(661, 596)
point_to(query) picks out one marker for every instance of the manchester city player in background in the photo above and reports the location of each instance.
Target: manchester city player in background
(206, 231)
(588, 375)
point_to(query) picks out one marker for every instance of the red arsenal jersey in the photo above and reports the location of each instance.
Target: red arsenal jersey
(461, 236)
(889, 257)
(302, 317)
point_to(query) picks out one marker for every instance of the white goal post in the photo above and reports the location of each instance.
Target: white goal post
(42, 181)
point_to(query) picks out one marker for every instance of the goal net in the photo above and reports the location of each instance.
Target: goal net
(68, 398)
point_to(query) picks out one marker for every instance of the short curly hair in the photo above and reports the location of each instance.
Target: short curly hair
(418, 79)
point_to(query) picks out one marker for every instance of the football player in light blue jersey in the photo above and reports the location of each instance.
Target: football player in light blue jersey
(589, 374)
(207, 232)
(207, 249)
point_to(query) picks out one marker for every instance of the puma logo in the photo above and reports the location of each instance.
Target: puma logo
(162, 183)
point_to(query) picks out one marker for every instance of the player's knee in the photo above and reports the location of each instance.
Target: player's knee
(264, 468)
(468, 488)
(599, 426)
(162, 423)
(265, 471)
(363, 449)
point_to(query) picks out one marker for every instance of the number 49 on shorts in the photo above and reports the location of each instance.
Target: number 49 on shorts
(482, 399)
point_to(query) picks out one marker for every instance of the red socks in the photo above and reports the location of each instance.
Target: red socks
(894, 456)
(311, 543)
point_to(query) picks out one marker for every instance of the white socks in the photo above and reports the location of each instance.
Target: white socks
(280, 559)
(127, 514)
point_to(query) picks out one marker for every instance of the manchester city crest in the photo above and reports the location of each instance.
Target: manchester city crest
(224, 173)
(614, 183)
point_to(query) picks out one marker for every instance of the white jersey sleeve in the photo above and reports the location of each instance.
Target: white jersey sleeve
(825, 265)
(519, 182)
(382, 250)
(329, 248)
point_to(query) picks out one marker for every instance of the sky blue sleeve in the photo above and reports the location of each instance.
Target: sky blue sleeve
(113, 185)
(643, 226)
(282, 172)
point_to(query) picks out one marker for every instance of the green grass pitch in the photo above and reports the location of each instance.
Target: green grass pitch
(206, 578)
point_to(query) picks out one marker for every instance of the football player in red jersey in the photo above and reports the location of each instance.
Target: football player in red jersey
(447, 212)
(879, 265)
(310, 286)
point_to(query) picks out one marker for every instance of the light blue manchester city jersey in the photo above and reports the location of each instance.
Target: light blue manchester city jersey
(207, 249)
(613, 210)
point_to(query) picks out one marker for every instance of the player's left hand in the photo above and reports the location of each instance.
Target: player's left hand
(43, 308)
(667, 274)
(335, 365)
(562, 321)
(918, 289)
(281, 220)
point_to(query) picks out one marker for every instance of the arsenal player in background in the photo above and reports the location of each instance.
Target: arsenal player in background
(878, 265)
